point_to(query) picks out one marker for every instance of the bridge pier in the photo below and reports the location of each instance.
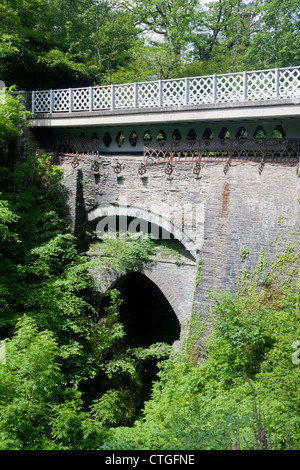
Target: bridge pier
(230, 219)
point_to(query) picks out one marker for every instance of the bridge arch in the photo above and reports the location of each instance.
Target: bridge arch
(146, 312)
(160, 224)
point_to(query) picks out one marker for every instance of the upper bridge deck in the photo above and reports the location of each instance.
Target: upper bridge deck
(259, 94)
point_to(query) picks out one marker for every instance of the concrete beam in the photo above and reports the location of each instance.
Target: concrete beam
(276, 109)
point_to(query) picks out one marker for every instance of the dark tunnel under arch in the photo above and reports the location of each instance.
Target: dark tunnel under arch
(145, 312)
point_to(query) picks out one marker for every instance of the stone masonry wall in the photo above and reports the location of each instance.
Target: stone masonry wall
(225, 214)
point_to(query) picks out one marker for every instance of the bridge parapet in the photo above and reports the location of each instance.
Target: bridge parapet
(272, 84)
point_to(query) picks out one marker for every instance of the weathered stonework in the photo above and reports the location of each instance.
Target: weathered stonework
(222, 220)
(242, 210)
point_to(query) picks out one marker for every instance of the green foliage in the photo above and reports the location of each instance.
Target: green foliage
(198, 273)
(244, 253)
(69, 382)
(30, 384)
(124, 254)
(68, 376)
(7, 217)
(67, 43)
(238, 390)
(12, 113)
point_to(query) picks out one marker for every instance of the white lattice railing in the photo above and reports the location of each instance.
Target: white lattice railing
(280, 83)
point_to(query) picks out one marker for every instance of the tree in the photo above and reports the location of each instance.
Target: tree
(277, 39)
(114, 38)
(166, 25)
(222, 35)
(40, 43)
(12, 113)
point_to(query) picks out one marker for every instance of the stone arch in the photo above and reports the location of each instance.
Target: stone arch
(107, 214)
(177, 283)
(148, 311)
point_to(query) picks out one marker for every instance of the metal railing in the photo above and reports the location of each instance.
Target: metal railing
(264, 150)
(274, 84)
(212, 150)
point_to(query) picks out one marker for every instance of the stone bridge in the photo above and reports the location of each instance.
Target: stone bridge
(222, 221)
(209, 164)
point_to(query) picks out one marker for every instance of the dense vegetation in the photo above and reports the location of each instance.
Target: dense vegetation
(67, 377)
(65, 43)
(238, 388)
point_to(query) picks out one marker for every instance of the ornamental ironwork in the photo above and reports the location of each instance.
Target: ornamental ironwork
(71, 147)
(77, 146)
(275, 150)
(118, 167)
(142, 169)
(95, 167)
(75, 162)
(197, 169)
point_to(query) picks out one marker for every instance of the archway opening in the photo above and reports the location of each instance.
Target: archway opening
(259, 133)
(278, 133)
(147, 318)
(107, 139)
(241, 133)
(133, 139)
(207, 134)
(145, 313)
(176, 135)
(224, 133)
(191, 135)
(147, 137)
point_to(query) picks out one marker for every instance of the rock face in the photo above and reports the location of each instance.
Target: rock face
(224, 220)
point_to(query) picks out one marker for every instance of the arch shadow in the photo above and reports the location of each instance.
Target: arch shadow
(145, 312)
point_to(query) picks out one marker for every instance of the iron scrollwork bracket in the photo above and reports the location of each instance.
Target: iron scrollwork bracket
(261, 167)
(75, 162)
(118, 167)
(95, 167)
(197, 169)
(142, 169)
(227, 165)
(169, 168)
